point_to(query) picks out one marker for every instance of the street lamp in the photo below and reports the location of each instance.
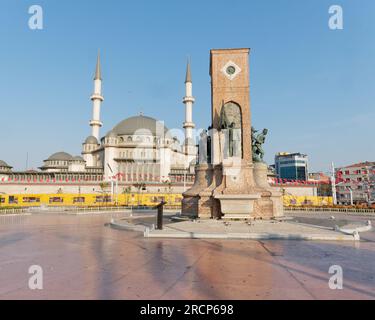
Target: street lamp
(333, 184)
(351, 194)
(112, 185)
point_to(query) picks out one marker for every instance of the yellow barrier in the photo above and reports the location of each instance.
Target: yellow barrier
(131, 199)
(292, 201)
(128, 199)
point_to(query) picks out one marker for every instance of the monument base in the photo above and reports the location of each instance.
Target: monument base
(193, 205)
(261, 180)
(248, 196)
(237, 206)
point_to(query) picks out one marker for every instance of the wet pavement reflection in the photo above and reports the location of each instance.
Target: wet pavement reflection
(84, 259)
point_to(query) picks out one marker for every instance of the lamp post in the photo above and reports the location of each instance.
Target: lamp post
(112, 184)
(351, 195)
(333, 184)
(368, 193)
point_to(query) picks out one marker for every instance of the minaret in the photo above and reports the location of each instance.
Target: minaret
(97, 99)
(188, 101)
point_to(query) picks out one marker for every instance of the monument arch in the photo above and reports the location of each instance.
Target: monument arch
(231, 127)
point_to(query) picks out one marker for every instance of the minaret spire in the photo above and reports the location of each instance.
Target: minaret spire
(188, 72)
(96, 99)
(188, 101)
(98, 74)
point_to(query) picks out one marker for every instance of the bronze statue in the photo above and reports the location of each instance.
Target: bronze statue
(230, 123)
(209, 146)
(257, 141)
(224, 121)
(230, 139)
(202, 147)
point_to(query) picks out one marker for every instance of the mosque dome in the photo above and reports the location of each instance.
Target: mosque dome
(91, 140)
(60, 156)
(140, 125)
(111, 134)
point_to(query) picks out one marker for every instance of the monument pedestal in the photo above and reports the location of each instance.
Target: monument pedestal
(246, 194)
(232, 192)
(192, 204)
(237, 206)
(261, 180)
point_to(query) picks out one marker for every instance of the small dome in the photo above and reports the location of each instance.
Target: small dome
(4, 164)
(60, 156)
(91, 140)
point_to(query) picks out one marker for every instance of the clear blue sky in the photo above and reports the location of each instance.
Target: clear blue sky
(314, 88)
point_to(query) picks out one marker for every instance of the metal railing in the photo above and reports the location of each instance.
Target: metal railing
(321, 209)
(13, 210)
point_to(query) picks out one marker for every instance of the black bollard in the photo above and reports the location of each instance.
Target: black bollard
(159, 218)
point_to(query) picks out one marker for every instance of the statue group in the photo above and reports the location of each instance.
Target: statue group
(257, 141)
(230, 125)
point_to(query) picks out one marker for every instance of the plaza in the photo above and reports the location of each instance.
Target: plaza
(83, 258)
(187, 151)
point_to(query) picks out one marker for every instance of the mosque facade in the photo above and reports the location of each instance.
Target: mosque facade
(138, 150)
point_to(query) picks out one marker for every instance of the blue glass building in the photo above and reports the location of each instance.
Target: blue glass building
(291, 166)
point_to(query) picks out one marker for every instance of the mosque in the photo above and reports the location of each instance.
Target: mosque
(138, 150)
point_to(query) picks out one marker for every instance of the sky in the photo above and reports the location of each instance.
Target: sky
(311, 86)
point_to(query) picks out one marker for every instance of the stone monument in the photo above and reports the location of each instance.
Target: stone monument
(231, 177)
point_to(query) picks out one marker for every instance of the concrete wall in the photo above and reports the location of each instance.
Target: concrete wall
(300, 190)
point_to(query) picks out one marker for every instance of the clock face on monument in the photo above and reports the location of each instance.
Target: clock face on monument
(231, 70)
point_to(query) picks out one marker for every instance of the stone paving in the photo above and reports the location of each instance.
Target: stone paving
(83, 259)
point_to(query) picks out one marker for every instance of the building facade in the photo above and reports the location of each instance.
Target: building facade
(355, 184)
(291, 166)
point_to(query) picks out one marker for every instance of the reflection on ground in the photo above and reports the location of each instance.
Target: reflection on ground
(83, 259)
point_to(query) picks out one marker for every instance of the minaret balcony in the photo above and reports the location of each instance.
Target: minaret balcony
(189, 125)
(96, 123)
(188, 99)
(97, 96)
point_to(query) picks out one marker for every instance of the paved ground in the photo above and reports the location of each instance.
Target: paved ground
(82, 259)
(259, 229)
(340, 219)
